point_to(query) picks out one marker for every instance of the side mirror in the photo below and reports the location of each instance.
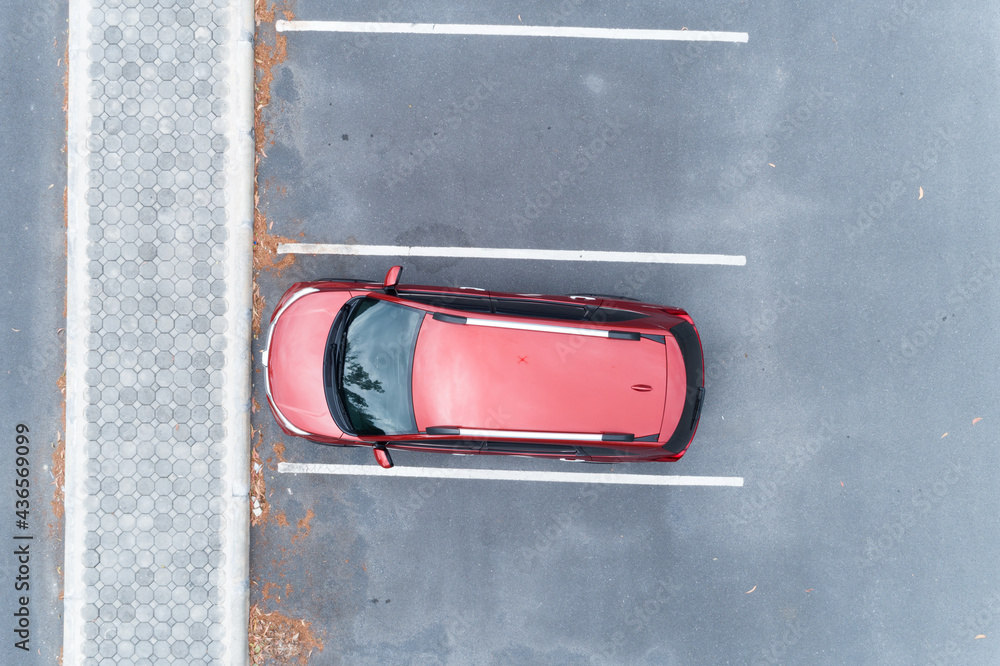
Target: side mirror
(392, 279)
(382, 456)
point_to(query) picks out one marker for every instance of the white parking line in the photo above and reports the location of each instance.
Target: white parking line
(512, 253)
(511, 475)
(512, 31)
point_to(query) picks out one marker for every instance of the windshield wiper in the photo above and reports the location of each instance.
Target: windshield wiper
(338, 361)
(340, 345)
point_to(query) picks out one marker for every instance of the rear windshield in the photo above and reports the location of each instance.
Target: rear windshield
(375, 368)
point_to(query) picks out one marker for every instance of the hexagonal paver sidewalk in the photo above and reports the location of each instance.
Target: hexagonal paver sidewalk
(159, 219)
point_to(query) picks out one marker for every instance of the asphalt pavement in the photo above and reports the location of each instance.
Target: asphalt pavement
(849, 151)
(32, 308)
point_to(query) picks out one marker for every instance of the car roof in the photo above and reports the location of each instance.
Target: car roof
(486, 377)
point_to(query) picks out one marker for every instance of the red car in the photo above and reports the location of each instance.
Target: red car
(583, 377)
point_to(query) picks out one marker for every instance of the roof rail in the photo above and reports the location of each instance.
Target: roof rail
(541, 328)
(480, 433)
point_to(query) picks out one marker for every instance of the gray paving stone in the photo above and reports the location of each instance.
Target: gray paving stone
(157, 286)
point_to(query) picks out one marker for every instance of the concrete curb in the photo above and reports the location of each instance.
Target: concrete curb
(76, 333)
(240, 184)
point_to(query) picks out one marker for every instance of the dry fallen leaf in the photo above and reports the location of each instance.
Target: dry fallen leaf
(751, 589)
(977, 420)
(921, 194)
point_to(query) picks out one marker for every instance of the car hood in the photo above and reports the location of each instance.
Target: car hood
(295, 361)
(504, 379)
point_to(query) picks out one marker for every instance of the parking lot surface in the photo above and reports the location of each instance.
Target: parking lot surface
(32, 353)
(847, 152)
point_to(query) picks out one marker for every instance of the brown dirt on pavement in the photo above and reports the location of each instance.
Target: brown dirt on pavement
(275, 637)
(302, 528)
(266, 56)
(258, 491)
(65, 64)
(58, 528)
(58, 479)
(271, 592)
(270, 49)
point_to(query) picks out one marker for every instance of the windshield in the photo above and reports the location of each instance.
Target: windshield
(375, 363)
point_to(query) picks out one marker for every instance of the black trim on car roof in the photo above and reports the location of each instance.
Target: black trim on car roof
(605, 314)
(442, 430)
(450, 319)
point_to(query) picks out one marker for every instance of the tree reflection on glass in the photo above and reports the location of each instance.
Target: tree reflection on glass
(357, 379)
(376, 367)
